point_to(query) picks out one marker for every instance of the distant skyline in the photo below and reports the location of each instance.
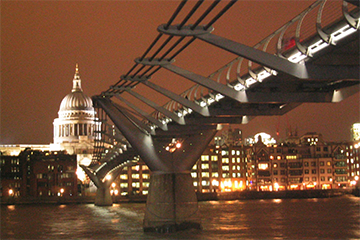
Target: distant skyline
(41, 41)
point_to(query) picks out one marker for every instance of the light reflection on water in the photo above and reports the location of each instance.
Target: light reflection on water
(332, 218)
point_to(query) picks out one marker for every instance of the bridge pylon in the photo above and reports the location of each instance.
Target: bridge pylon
(170, 155)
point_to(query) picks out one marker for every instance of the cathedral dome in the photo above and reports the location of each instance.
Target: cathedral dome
(76, 100)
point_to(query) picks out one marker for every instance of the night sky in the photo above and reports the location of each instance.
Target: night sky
(41, 41)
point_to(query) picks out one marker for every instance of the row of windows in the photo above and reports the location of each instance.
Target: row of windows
(50, 176)
(307, 171)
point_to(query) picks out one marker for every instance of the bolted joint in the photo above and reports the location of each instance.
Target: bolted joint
(122, 88)
(184, 31)
(107, 94)
(135, 78)
(154, 62)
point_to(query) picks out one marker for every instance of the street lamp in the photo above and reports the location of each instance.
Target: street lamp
(61, 192)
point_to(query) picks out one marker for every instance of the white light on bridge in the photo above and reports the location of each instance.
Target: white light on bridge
(250, 81)
(239, 87)
(343, 32)
(218, 97)
(203, 104)
(263, 74)
(210, 101)
(107, 177)
(297, 57)
(319, 45)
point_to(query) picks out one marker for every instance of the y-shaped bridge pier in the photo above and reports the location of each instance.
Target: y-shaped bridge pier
(171, 199)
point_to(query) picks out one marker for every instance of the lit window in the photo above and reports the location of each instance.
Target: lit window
(123, 185)
(204, 157)
(205, 183)
(215, 174)
(124, 176)
(263, 166)
(205, 166)
(205, 174)
(135, 176)
(226, 168)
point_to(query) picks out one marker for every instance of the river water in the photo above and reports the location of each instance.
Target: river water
(323, 218)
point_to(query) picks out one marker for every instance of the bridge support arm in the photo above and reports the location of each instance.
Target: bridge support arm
(208, 83)
(142, 143)
(143, 113)
(179, 99)
(173, 116)
(255, 55)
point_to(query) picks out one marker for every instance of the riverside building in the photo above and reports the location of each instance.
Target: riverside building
(35, 173)
(302, 163)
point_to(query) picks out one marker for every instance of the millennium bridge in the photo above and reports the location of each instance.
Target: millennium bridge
(313, 58)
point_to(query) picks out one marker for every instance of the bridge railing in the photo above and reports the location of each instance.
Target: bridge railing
(291, 41)
(322, 24)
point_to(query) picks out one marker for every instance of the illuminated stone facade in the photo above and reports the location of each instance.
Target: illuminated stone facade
(75, 128)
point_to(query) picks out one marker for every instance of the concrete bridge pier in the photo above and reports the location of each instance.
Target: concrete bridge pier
(171, 203)
(103, 196)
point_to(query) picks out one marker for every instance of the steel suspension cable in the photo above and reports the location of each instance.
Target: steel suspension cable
(193, 10)
(182, 48)
(172, 48)
(181, 5)
(210, 8)
(220, 14)
(161, 47)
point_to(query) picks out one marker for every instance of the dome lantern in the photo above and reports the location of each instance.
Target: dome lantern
(76, 100)
(77, 80)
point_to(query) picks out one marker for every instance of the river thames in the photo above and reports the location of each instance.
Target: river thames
(316, 218)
